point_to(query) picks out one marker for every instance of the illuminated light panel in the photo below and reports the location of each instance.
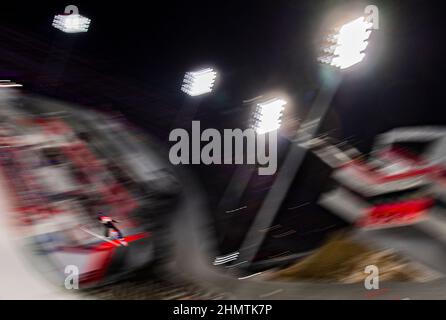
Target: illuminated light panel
(9, 84)
(199, 82)
(71, 23)
(268, 115)
(347, 46)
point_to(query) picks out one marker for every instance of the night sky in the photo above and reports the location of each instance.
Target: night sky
(134, 57)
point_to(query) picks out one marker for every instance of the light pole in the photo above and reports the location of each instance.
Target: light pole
(71, 23)
(267, 117)
(345, 49)
(9, 84)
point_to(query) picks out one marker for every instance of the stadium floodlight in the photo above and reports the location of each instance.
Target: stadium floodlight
(268, 115)
(199, 82)
(9, 84)
(346, 47)
(71, 22)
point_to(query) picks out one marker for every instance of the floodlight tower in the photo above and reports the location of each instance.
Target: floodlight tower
(266, 120)
(71, 23)
(345, 49)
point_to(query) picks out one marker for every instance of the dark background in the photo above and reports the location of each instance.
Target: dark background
(134, 57)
